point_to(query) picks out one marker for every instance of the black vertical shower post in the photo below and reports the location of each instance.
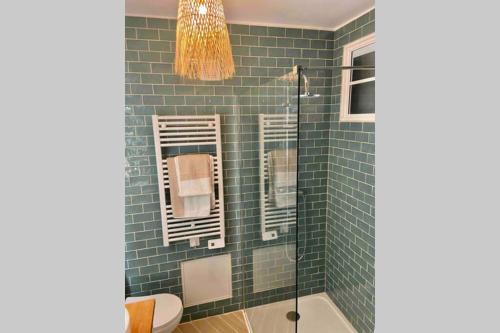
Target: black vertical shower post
(294, 315)
(299, 72)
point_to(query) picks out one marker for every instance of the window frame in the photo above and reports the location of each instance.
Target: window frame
(345, 93)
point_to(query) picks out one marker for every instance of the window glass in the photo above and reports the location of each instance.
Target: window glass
(362, 98)
(364, 56)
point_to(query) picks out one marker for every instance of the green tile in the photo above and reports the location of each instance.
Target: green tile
(258, 51)
(295, 33)
(131, 56)
(223, 90)
(242, 71)
(284, 42)
(135, 245)
(139, 67)
(214, 100)
(144, 110)
(308, 53)
(356, 34)
(235, 39)
(151, 78)
(318, 44)
(147, 34)
(277, 32)
(168, 57)
(267, 62)
(368, 28)
(258, 30)
(141, 89)
(133, 100)
(159, 46)
(259, 71)
(161, 68)
(362, 20)
(132, 78)
(250, 61)
(175, 100)
(240, 50)
(310, 34)
(267, 41)
(184, 90)
(158, 23)
(284, 62)
(324, 34)
(163, 89)
(150, 56)
(276, 52)
(203, 90)
(130, 33)
(131, 21)
(133, 44)
(249, 40)
(239, 29)
(292, 52)
(325, 54)
(153, 100)
(167, 35)
(372, 15)
(302, 43)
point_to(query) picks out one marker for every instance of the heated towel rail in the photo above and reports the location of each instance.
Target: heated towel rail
(188, 133)
(275, 131)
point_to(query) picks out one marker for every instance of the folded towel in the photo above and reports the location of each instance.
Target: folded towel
(212, 180)
(191, 185)
(193, 175)
(282, 177)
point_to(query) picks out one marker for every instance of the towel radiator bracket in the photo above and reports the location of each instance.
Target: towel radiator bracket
(269, 235)
(216, 243)
(189, 132)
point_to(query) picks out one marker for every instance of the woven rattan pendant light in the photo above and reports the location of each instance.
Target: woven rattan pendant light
(203, 50)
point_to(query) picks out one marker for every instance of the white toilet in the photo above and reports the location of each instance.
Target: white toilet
(167, 314)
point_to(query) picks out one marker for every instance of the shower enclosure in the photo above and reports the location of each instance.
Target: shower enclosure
(283, 153)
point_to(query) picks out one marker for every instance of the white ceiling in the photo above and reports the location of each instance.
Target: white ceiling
(312, 14)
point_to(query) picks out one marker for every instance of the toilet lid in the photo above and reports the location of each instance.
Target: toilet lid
(167, 307)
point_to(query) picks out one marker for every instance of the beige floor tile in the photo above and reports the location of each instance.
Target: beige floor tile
(204, 326)
(221, 325)
(188, 328)
(233, 322)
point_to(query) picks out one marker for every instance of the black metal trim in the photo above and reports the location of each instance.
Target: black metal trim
(299, 73)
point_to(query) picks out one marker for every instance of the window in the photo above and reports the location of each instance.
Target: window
(357, 99)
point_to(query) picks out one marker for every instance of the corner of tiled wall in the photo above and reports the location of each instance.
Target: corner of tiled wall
(350, 227)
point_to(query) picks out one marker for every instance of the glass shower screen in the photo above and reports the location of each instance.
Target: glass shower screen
(268, 183)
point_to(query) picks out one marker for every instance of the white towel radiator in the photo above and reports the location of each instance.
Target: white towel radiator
(274, 129)
(179, 132)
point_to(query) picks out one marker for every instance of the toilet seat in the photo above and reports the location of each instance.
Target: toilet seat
(168, 310)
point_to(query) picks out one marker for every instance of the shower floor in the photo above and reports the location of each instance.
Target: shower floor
(318, 314)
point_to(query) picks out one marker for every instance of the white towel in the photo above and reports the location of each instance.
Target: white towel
(282, 177)
(192, 185)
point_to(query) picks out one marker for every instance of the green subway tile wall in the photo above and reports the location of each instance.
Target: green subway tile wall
(350, 224)
(261, 54)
